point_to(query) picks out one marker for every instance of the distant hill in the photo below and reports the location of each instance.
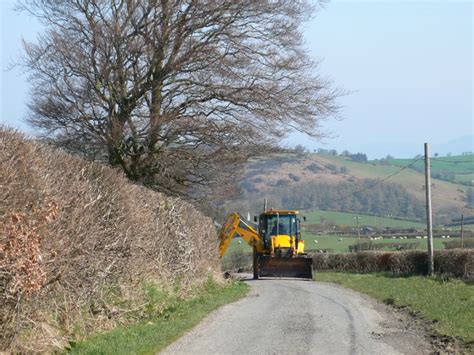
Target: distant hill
(458, 169)
(280, 173)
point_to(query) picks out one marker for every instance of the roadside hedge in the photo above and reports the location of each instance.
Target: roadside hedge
(457, 263)
(80, 247)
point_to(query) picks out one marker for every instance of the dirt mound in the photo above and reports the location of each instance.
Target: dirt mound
(75, 236)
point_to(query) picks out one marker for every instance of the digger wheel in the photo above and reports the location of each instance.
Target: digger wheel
(255, 264)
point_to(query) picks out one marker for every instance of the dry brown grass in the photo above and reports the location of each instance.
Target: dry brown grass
(71, 231)
(457, 263)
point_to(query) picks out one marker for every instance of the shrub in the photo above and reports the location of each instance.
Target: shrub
(365, 246)
(70, 230)
(294, 177)
(331, 167)
(282, 183)
(457, 263)
(454, 244)
(344, 169)
(362, 246)
(237, 259)
(313, 167)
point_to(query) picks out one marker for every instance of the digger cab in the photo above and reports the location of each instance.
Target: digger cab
(283, 254)
(278, 250)
(280, 232)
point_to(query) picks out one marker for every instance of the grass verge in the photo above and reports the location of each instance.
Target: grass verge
(449, 304)
(153, 334)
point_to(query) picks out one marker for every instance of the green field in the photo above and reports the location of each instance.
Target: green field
(339, 244)
(461, 164)
(373, 170)
(348, 219)
(460, 173)
(449, 304)
(446, 193)
(458, 169)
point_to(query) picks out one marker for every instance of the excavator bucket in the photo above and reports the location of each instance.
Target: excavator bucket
(298, 267)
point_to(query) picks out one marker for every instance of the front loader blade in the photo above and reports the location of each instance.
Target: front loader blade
(298, 267)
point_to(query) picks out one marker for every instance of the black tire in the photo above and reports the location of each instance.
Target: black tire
(255, 264)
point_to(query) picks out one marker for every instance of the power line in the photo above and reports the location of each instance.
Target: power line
(375, 183)
(379, 181)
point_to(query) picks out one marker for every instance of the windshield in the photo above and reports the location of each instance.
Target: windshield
(281, 225)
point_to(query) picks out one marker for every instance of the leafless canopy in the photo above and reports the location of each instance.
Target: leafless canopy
(174, 92)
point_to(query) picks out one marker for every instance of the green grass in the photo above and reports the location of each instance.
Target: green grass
(338, 246)
(447, 192)
(372, 170)
(347, 219)
(236, 246)
(460, 166)
(341, 246)
(328, 242)
(151, 335)
(449, 303)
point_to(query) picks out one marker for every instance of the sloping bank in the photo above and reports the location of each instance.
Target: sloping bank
(83, 250)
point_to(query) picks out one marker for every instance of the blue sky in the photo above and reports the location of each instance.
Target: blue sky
(408, 64)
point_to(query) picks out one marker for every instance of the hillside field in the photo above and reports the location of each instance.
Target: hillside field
(444, 193)
(280, 171)
(458, 168)
(349, 219)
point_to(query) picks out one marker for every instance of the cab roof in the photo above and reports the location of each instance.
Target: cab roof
(274, 212)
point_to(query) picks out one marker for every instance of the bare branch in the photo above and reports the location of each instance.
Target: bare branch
(174, 92)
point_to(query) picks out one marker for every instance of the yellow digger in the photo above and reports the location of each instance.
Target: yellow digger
(278, 250)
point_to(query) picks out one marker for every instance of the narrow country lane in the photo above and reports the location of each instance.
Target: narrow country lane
(286, 316)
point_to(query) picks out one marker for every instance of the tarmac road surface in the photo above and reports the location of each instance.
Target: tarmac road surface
(287, 316)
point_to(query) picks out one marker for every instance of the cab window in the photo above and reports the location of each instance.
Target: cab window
(282, 225)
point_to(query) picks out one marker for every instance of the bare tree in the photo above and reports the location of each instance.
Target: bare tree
(174, 92)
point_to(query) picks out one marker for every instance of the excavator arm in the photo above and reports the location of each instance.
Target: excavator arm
(264, 263)
(235, 225)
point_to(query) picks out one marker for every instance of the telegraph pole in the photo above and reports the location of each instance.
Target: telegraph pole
(462, 231)
(358, 230)
(429, 216)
